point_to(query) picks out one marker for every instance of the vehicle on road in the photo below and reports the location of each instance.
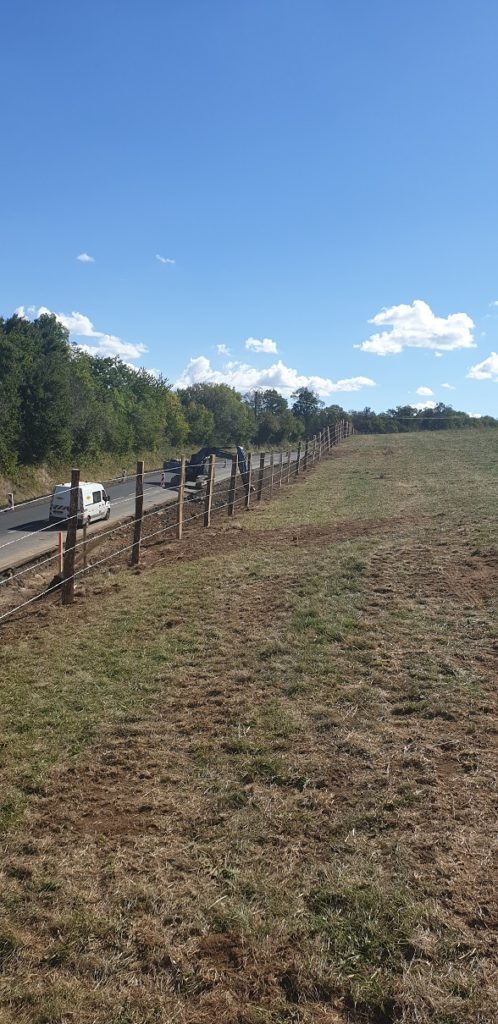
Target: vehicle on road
(196, 468)
(93, 503)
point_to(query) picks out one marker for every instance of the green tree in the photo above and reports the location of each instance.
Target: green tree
(201, 425)
(232, 423)
(306, 407)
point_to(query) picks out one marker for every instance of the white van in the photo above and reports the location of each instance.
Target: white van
(93, 503)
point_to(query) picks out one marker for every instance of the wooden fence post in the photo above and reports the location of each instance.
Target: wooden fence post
(68, 585)
(272, 471)
(288, 465)
(139, 513)
(181, 499)
(209, 490)
(298, 460)
(281, 469)
(306, 454)
(261, 474)
(233, 485)
(248, 482)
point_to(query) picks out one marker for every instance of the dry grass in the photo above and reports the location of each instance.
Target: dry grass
(260, 787)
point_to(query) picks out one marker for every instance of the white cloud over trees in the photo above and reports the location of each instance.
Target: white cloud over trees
(266, 345)
(80, 326)
(416, 326)
(487, 370)
(283, 378)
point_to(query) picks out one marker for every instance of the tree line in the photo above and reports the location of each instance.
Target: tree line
(59, 403)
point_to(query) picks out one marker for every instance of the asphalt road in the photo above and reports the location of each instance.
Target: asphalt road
(21, 540)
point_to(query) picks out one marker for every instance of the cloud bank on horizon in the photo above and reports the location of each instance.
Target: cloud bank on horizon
(411, 326)
(283, 378)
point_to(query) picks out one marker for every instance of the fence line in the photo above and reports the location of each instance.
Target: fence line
(266, 479)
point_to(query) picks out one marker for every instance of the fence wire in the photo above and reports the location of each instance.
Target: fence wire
(265, 479)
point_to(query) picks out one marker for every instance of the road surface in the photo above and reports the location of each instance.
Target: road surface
(20, 539)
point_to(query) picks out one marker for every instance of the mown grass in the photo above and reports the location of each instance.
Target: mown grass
(258, 788)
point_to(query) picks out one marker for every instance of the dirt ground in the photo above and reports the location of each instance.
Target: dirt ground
(284, 810)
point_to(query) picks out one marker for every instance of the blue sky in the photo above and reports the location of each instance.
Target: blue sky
(307, 166)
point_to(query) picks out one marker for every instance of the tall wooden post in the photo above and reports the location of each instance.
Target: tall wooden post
(68, 585)
(139, 512)
(248, 481)
(281, 469)
(233, 485)
(272, 472)
(261, 475)
(288, 465)
(181, 499)
(298, 460)
(209, 490)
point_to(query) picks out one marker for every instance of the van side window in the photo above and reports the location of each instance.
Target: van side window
(96, 497)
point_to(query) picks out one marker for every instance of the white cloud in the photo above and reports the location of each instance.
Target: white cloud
(475, 415)
(438, 355)
(416, 326)
(424, 405)
(266, 345)
(424, 391)
(223, 350)
(279, 376)
(85, 258)
(449, 387)
(494, 303)
(487, 370)
(164, 259)
(80, 326)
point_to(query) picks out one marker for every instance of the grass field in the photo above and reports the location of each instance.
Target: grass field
(254, 782)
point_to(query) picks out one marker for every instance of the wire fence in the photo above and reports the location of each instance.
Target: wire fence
(193, 507)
